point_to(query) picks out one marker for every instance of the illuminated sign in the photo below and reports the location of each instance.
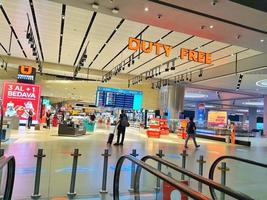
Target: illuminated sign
(217, 118)
(26, 74)
(19, 99)
(147, 46)
(196, 56)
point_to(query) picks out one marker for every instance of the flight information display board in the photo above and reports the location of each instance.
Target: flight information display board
(119, 98)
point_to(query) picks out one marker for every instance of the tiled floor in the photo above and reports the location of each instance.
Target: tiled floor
(56, 166)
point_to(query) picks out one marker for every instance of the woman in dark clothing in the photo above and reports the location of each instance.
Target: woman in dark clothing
(48, 115)
(30, 119)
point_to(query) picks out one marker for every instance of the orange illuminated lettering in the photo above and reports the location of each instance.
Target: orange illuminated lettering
(196, 56)
(208, 58)
(192, 55)
(133, 44)
(167, 49)
(148, 49)
(201, 57)
(183, 53)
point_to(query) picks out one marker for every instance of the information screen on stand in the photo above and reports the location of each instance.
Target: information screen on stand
(119, 98)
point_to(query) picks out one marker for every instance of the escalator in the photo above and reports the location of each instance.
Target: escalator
(171, 182)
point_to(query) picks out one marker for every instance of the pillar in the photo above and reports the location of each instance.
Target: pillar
(172, 101)
(265, 115)
(252, 117)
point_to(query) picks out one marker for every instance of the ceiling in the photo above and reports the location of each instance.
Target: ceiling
(108, 35)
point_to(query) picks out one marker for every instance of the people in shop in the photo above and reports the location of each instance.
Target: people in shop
(30, 115)
(191, 132)
(48, 118)
(122, 124)
(55, 120)
(232, 134)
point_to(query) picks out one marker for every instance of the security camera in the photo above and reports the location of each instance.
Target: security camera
(214, 2)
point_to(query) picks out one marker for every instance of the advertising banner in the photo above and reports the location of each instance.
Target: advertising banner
(19, 99)
(26, 74)
(200, 117)
(218, 118)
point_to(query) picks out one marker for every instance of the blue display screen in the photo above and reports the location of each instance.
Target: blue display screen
(119, 98)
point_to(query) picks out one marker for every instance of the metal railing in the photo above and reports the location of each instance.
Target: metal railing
(208, 182)
(140, 164)
(218, 160)
(10, 163)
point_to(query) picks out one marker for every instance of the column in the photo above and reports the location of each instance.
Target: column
(252, 117)
(265, 116)
(172, 100)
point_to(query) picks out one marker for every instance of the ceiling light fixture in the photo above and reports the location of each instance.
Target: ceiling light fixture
(262, 40)
(211, 26)
(262, 83)
(95, 5)
(146, 9)
(115, 10)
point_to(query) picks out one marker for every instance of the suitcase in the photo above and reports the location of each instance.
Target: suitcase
(110, 138)
(111, 135)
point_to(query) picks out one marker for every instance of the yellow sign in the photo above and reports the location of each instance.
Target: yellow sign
(217, 117)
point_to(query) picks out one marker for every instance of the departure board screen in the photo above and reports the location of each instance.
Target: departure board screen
(119, 98)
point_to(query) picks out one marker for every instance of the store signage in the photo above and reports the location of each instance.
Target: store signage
(26, 74)
(201, 114)
(196, 56)
(19, 99)
(147, 46)
(217, 118)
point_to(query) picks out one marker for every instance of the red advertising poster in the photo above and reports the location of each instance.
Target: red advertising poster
(19, 99)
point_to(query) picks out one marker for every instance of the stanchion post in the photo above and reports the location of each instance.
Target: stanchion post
(223, 170)
(75, 156)
(201, 163)
(134, 154)
(184, 155)
(105, 171)
(160, 154)
(39, 157)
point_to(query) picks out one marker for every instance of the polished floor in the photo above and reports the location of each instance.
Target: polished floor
(57, 165)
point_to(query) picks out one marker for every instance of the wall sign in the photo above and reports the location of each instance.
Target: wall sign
(148, 47)
(26, 74)
(19, 99)
(217, 118)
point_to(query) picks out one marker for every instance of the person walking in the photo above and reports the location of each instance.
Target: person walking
(48, 116)
(123, 123)
(191, 132)
(30, 113)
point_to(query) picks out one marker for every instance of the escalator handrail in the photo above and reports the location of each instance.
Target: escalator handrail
(218, 160)
(206, 181)
(181, 187)
(11, 165)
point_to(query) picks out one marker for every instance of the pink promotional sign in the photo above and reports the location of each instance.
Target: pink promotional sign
(19, 99)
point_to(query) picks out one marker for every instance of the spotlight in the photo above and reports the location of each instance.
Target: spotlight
(32, 46)
(167, 69)
(173, 67)
(115, 10)
(129, 64)
(28, 35)
(95, 5)
(132, 61)
(34, 53)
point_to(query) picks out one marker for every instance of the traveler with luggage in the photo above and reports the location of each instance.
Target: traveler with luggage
(191, 132)
(122, 124)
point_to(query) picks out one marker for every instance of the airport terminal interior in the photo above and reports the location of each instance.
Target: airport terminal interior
(133, 99)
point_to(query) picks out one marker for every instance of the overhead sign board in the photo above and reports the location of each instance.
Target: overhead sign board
(158, 48)
(26, 74)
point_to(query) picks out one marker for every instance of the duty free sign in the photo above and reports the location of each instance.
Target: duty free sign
(158, 48)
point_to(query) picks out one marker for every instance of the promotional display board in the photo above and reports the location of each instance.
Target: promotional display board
(217, 118)
(119, 98)
(19, 99)
(200, 114)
